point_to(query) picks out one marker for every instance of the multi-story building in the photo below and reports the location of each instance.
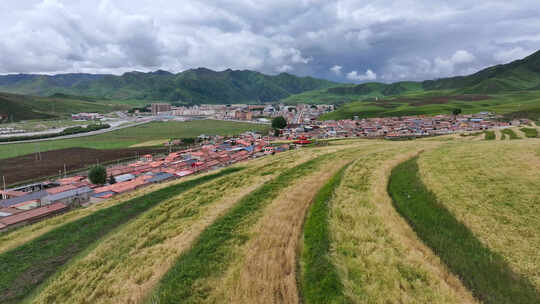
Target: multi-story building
(160, 108)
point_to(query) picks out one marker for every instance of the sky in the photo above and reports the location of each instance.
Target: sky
(345, 41)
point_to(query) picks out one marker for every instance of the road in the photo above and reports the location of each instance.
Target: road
(80, 134)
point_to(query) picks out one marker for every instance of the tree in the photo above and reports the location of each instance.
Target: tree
(456, 111)
(279, 122)
(112, 180)
(97, 175)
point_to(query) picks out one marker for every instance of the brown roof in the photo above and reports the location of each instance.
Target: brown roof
(31, 214)
(61, 189)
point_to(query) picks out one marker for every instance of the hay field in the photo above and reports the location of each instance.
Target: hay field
(494, 189)
(148, 245)
(241, 238)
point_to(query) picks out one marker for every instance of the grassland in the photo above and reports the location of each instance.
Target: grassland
(520, 104)
(483, 271)
(23, 107)
(157, 238)
(510, 133)
(263, 268)
(29, 264)
(241, 237)
(530, 132)
(132, 136)
(378, 257)
(210, 254)
(492, 188)
(489, 135)
(319, 279)
(21, 235)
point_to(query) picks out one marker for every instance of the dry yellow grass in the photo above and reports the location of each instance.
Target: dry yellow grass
(494, 188)
(266, 272)
(379, 258)
(519, 133)
(150, 143)
(498, 134)
(266, 263)
(14, 238)
(125, 266)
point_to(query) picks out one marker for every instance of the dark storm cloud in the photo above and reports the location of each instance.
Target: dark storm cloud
(341, 40)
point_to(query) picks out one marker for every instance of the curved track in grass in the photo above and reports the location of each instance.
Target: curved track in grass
(212, 252)
(319, 280)
(483, 271)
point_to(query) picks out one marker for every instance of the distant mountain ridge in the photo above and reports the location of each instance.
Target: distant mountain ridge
(523, 74)
(193, 86)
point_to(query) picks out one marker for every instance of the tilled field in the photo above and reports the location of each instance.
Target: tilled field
(34, 166)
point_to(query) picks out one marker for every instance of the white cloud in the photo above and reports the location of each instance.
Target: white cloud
(284, 68)
(400, 39)
(512, 54)
(462, 56)
(336, 69)
(369, 75)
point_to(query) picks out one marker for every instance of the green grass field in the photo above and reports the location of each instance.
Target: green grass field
(489, 135)
(530, 132)
(510, 133)
(320, 282)
(131, 136)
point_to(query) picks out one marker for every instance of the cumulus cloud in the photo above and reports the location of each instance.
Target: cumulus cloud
(284, 68)
(354, 76)
(462, 56)
(336, 69)
(397, 39)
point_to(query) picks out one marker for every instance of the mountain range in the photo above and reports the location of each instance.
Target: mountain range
(195, 86)
(519, 75)
(201, 85)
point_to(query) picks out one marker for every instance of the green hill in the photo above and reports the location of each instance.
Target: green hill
(194, 86)
(519, 75)
(15, 107)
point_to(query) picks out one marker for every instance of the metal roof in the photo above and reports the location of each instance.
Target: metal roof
(124, 178)
(21, 199)
(160, 177)
(66, 194)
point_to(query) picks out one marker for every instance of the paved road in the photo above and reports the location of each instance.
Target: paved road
(80, 134)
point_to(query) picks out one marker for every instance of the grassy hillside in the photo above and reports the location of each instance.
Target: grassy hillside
(151, 134)
(525, 104)
(23, 107)
(517, 76)
(194, 86)
(491, 188)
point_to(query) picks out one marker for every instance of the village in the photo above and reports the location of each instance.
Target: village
(33, 202)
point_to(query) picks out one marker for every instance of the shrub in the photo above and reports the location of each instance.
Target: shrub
(97, 175)
(279, 122)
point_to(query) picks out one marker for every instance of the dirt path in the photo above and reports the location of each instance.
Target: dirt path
(415, 251)
(125, 266)
(519, 133)
(498, 134)
(266, 272)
